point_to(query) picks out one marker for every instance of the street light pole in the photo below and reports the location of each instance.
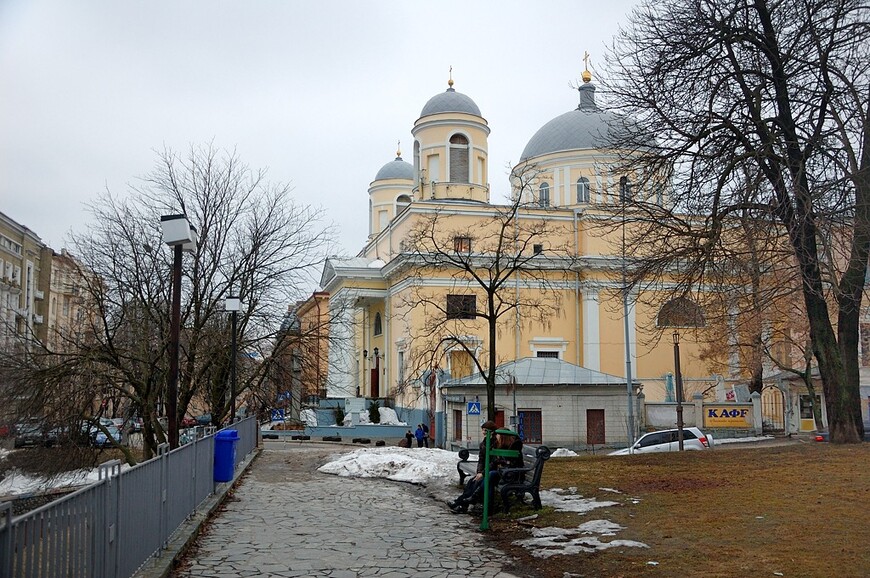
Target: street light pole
(178, 234)
(678, 377)
(174, 332)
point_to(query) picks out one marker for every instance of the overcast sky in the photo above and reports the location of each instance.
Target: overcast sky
(317, 92)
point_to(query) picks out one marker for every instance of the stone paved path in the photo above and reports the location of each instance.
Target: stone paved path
(285, 519)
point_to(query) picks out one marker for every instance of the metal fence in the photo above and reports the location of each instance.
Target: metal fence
(113, 526)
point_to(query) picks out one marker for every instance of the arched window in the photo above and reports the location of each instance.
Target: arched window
(458, 159)
(378, 328)
(417, 166)
(582, 190)
(680, 312)
(401, 202)
(544, 195)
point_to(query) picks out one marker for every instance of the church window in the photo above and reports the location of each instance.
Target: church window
(544, 195)
(461, 306)
(401, 202)
(378, 325)
(680, 312)
(458, 159)
(582, 190)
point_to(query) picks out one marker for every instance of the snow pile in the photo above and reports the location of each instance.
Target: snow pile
(417, 465)
(563, 453)
(389, 417)
(308, 417)
(16, 482)
(551, 541)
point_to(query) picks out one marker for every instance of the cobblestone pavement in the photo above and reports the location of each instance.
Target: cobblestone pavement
(285, 519)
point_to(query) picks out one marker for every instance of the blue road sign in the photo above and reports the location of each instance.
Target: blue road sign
(473, 408)
(277, 415)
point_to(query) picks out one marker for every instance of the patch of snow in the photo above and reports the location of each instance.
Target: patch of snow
(551, 541)
(610, 490)
(718, 441)
(563, 453)
(572, 502)
(17, 482)
(308, 417)
(414, 465)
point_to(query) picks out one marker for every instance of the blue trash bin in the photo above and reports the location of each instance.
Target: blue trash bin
(225, 454)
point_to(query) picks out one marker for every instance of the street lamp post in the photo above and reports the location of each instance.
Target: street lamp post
(678, 377)
(178, 234)
(233, 304)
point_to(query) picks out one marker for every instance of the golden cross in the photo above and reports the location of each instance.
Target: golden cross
(586, 60)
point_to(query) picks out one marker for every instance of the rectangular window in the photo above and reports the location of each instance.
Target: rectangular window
(548, 354)
(457, 425)
(462, 244)
(537, 249)
(529, 425)
(461, 364)
(401, 369)
(461, 306)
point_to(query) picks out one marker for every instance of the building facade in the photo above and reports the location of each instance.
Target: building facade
(407, 313)
(24, 284)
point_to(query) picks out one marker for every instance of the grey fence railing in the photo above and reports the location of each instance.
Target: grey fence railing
(112, 527)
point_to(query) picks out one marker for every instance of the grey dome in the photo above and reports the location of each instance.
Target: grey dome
(586, 127)
(450, 101)
(396, 169)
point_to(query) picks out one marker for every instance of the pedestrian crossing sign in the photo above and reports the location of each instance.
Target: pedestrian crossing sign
(277, 415)
(473, 408)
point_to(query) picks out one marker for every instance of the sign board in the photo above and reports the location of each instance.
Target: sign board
(277, 415)
(726, 415)
(473, 408)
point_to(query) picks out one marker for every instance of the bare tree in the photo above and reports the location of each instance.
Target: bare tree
(254, 241)
(718, 88)
(502, 274)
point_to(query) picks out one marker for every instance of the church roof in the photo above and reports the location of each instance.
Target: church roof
(541, 371)
(450, 101)
(396, 169)
(586, 127)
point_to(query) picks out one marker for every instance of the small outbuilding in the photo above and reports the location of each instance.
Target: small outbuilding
(547, 400)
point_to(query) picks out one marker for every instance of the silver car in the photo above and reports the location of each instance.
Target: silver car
(667, 441)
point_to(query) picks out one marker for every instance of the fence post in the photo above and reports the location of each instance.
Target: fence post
(163, 455)
(6, 539)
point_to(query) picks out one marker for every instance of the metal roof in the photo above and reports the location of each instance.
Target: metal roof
(450, 101)
(541, 371)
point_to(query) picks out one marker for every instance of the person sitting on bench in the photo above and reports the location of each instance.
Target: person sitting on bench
(473, 488)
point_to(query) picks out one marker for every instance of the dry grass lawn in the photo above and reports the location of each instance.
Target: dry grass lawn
(794, 511)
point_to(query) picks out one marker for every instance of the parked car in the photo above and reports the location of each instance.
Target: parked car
(96, 437)
(33, 434)
(188, 422)
(667, 441)
(136, 424)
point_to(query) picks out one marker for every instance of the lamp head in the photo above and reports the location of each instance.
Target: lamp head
(676, 337)
(376, 351)
(176, 229)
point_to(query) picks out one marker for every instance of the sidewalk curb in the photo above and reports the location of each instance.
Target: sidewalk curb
(162, 564)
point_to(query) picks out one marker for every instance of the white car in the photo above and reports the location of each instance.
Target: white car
(667, 441)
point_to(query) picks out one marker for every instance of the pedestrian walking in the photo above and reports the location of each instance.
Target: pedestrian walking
(425, 435)
(409, 439)
(419, 435)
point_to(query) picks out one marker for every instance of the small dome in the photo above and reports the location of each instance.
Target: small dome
(450, 101)
(586, 127)
(396, 169)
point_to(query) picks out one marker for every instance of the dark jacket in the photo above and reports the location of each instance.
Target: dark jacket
(499, 462)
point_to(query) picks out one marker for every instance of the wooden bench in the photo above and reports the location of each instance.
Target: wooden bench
(513, 481)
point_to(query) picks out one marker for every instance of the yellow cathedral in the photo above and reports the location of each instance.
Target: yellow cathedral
(404, 314)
